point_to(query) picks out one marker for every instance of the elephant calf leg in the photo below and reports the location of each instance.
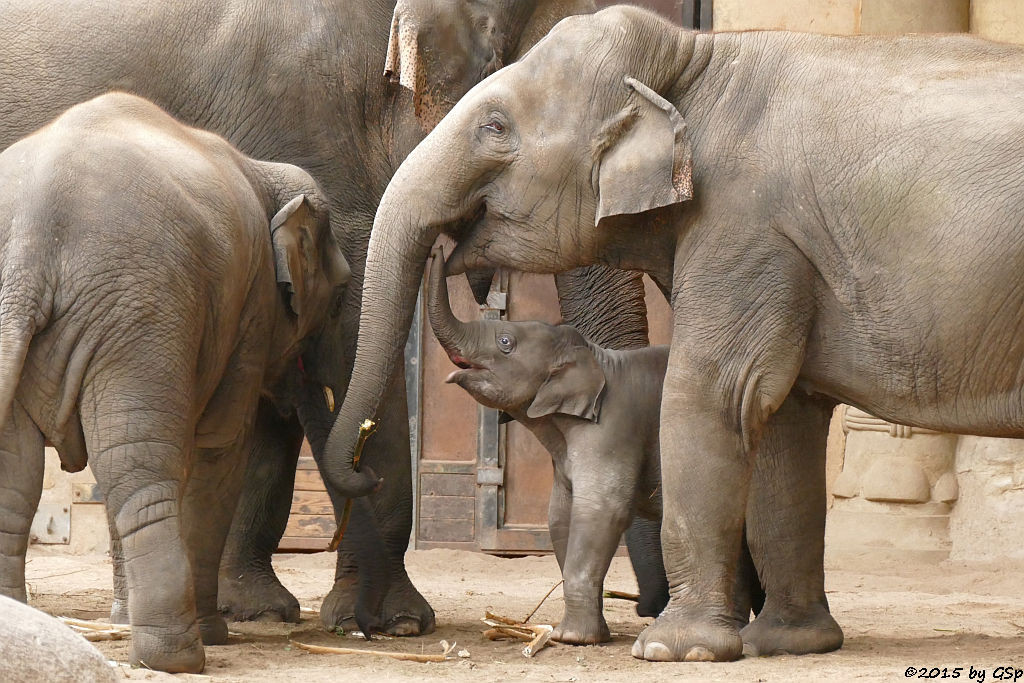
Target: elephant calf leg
(21, 482)
(142, 487)
(597, 524)
(119, 607)
(211, 496)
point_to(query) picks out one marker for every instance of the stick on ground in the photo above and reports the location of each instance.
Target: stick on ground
(530, 615)
(404, 656)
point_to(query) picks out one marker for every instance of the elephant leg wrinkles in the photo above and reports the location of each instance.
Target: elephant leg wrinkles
(600, 515)
(141, 483)
(786, 518)
(249, 588)
(21, 471)
(403, 609)
(209, 502)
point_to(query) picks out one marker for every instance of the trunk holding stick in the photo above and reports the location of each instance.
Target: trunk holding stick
(367, 428)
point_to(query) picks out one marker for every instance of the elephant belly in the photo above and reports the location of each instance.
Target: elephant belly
(968, 382)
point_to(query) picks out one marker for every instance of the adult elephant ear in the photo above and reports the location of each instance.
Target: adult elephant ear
(441, 50)
(644, 156)
(574, 386)
(292, 235)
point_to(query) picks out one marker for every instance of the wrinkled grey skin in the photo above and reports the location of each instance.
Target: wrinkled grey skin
(154, 283)
(37, 647)
(596, 411)
(302, 83)
(853, 204)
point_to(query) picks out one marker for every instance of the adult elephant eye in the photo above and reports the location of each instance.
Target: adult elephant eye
(496, 126)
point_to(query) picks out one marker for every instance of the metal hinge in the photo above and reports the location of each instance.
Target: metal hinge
(490, 476)
(496, 300)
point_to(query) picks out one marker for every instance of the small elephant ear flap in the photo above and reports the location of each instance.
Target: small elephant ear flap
(291, 241)
(644, 156)
(574, 387)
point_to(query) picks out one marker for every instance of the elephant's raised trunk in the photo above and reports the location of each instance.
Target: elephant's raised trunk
(404, 231)
(449, 330)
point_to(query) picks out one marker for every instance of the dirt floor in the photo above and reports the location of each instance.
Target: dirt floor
(894, 617)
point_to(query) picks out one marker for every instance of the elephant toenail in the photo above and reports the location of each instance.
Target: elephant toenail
(750, 650)
(656, 652)
(638, 649)
(699, 654)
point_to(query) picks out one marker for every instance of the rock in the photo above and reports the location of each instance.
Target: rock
(36, 647)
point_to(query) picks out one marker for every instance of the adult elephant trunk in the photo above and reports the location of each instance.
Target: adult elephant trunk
(404, 231)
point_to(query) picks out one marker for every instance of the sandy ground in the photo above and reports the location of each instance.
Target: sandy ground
(894, 617)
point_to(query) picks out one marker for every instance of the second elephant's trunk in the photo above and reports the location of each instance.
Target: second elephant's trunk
(408, 220)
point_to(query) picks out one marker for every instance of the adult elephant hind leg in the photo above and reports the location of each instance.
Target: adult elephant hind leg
(716, 400)
(21, 483)
(139, 457)
(404, 612)
(249, 587)
(786, 530)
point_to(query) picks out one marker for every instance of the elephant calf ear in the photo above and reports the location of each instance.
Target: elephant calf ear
(644, 156)
(293, 250)
(574, 387)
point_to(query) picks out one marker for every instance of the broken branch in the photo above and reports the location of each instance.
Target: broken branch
(530, 615)
(404, 656)
(619, 595)
(367, 428)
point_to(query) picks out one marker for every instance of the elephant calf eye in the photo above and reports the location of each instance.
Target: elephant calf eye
(506, 343)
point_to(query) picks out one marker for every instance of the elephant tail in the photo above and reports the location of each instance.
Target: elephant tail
(18, 324)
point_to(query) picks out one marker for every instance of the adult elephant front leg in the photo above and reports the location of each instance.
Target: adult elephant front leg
(249, 588)
(786, 518)
(404, 610)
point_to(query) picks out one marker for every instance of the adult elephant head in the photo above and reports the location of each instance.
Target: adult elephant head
(519, 173)
(439, 49)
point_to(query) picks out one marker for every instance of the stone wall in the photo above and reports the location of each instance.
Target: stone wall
(844, 16)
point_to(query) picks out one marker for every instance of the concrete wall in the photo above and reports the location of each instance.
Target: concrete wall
(998, 20)
(845, 16)
(71, 514)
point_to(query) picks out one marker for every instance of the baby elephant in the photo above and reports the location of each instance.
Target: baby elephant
(153, 282)
(558, 385)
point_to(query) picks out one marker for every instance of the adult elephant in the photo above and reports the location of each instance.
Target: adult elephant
(296, 82)
(829, 217)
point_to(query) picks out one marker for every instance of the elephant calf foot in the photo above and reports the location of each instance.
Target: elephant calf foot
(582, 630)
(255, 596)
(213, 629)
(681, 636)
(164, 650)
(405, 611)
(782, 631)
